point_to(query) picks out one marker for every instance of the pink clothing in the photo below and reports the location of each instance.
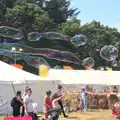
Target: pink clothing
(47, 104)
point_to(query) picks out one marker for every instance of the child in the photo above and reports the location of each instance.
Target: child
(55, 104)
(67, 106)
(114, 105)
(47, 103)
(55, 100)
(35, 108)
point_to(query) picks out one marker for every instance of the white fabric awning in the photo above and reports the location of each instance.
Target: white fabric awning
(9, 73)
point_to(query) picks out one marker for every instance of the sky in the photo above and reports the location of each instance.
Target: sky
(105, 11)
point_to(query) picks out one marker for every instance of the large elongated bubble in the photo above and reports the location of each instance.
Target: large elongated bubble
(109, 53)
(79, 40)
(11, 33)
(49, 53)
(34, 36)
(54, 35)
(88, 62)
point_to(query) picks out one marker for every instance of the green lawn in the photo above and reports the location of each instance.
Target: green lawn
(94, 115)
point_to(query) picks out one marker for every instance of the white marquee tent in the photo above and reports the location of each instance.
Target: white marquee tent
(20, 78)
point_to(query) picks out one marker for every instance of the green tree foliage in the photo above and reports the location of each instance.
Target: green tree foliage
(2, 11)
(29, 16)
(59, 10)
(71, 27)
(56, 15)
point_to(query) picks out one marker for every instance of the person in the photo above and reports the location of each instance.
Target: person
(35, 108)
(77, 102)
(56, 105)
(115, 90)
(55, 100)
(24, 94)
(28, 103)
(84, 99)
(23, 108)
(114, 105)
(16, 103)
(59, 93)
(68, 106)
(47, 103)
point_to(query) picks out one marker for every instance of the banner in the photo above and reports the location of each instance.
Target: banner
(67, 68)
(18, 66)
(43, 71)
(18, 118)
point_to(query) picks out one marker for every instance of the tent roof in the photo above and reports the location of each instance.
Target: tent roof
(9, 73)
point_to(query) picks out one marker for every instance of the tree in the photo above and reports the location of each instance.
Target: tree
(71, 27)
(98, 36)
(59, 10)
(2, 11)
(28, 16)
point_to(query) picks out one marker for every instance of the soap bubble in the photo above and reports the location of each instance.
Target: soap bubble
(114, 63)
(35, 61)
(34, 36)
(100, 68)
(109, 53)
(79, 40)
(11, 33)
(88, 62)
(58, 67)
(54, 35)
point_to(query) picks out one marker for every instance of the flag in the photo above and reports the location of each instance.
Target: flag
(18, 66)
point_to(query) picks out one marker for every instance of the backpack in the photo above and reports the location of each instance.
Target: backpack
(12, 102)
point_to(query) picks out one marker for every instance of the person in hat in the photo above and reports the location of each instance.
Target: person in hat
(59, 93)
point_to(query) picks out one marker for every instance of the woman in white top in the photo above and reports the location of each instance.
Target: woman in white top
(55, 100)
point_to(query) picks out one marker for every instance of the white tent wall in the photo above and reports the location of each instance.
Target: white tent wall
(87, 77)
(7, 93)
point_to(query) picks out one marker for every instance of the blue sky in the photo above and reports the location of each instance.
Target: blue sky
(105, 11)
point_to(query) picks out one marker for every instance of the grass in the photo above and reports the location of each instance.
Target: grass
(94, 115)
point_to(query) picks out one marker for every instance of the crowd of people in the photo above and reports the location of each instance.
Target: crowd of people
(29, 107)
(24, 105)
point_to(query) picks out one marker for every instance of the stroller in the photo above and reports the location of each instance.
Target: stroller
(53, 114)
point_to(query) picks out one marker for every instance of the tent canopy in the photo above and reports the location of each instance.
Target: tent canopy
(9, 73)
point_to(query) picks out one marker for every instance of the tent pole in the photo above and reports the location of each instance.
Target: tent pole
(26, 83)
(7, 95)
(13, 87)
